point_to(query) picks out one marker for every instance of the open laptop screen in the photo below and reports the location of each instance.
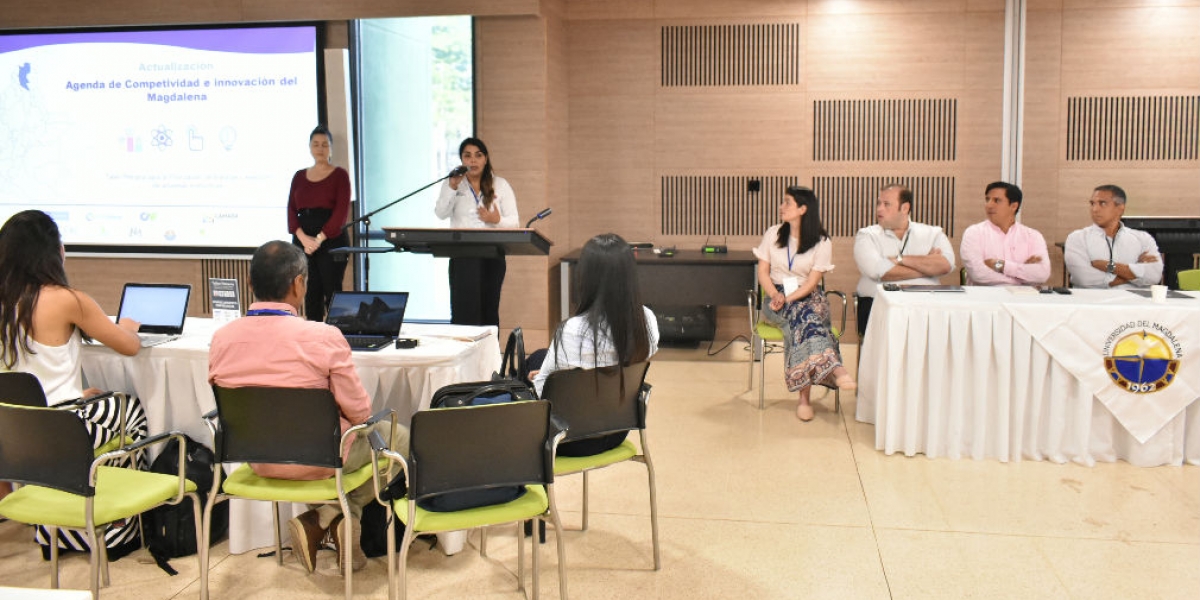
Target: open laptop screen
(368, 313)
(159, 307)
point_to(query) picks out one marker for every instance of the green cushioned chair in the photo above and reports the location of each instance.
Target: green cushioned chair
(602, 402)
(763, 334)
(284, 426)
(1189, 280)
(66, 486)
(469, 449)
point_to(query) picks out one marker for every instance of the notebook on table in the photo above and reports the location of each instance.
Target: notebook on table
(369, 320)
(160, 308)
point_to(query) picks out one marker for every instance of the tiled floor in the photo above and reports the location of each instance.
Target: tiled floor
(759, 505)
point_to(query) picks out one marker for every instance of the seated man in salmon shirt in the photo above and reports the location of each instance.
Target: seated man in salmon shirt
(272, 347)
(1001, 251)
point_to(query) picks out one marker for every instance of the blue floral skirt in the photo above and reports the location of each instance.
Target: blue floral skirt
(810, 350)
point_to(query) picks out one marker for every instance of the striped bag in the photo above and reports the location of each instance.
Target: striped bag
(102, 418)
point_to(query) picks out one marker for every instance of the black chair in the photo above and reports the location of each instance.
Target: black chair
(21, 389)
(454, 450)
(285, 426)
(600, 402)
(66, 486)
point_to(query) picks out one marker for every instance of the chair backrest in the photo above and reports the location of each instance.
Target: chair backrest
(46, 447)
(600, 401)
(1189, 280)
(278, 425)
(22, 389)
(480, 447)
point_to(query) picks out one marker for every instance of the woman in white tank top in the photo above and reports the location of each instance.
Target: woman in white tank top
(41, 317)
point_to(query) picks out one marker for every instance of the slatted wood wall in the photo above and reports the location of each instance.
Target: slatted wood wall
(918, 129)
(1133, 128)
(731, 55)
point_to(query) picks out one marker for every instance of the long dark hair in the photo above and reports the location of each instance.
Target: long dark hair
(487, 188)
(30, 258)
(811, 230)
(607, 289)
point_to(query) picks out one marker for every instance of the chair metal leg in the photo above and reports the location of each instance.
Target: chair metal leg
(562, 549)
(762, 375)
(521, 555)
(53, 556)
(403, 567)
(94, 559)
(202, 547)
(278, 541)
(483, 541)
(391, 553)
(653, 500)
(537, 565)
(103, 547)
(347, 551)
(837, 401)
(585, 501)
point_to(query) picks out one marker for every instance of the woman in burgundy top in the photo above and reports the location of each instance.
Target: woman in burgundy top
(317, 208)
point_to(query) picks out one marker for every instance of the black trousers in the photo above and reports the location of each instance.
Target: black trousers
(864, 313)
(325, 274)
(475, 290)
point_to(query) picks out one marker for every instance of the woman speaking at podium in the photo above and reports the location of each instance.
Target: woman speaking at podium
(318, 204)
(471, 200)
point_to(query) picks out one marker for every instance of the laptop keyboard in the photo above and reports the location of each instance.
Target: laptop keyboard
(367, 342)
(151, 339)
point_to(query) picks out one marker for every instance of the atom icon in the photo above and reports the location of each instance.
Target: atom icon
(160, 137)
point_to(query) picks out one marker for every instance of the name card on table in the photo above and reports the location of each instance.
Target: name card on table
(226, 299)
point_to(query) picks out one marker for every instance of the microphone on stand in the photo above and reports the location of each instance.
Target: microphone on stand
(538, 217)
(459, 171)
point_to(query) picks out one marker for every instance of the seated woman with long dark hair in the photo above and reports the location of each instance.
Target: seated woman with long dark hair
(610, 326)
(792, 258)
(42, 318)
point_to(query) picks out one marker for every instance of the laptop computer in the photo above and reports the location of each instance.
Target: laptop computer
(369, 320)
(160, 307)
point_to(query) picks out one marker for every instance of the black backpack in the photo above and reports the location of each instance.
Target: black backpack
(170, 530)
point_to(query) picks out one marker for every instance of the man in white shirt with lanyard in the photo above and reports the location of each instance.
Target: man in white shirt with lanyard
(1107, 254)
(897, 250)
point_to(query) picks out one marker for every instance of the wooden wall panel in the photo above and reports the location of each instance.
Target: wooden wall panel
(728, 130)
(1127, 48)
(900, 52)
(104, 278)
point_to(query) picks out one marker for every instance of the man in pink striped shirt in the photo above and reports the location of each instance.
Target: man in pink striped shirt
(1001, 251)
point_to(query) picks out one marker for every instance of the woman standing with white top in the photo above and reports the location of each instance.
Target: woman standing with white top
(792, 259)
(477, 200)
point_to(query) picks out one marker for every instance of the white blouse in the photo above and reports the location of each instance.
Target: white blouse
(786, 263)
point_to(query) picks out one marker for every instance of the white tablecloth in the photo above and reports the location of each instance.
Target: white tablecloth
(171, 381)
(993, 373)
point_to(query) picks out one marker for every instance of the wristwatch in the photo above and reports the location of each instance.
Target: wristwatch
(999, 265)
(1112, 268)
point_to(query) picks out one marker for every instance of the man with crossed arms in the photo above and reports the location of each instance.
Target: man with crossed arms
(897, 250)
(999, 250)
(1108, 255)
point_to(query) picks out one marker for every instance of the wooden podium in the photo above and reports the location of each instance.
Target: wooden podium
(463, 243)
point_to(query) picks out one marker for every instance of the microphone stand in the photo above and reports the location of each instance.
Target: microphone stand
(366, 251)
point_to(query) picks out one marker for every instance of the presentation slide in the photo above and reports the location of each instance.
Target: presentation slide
(175, 139)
